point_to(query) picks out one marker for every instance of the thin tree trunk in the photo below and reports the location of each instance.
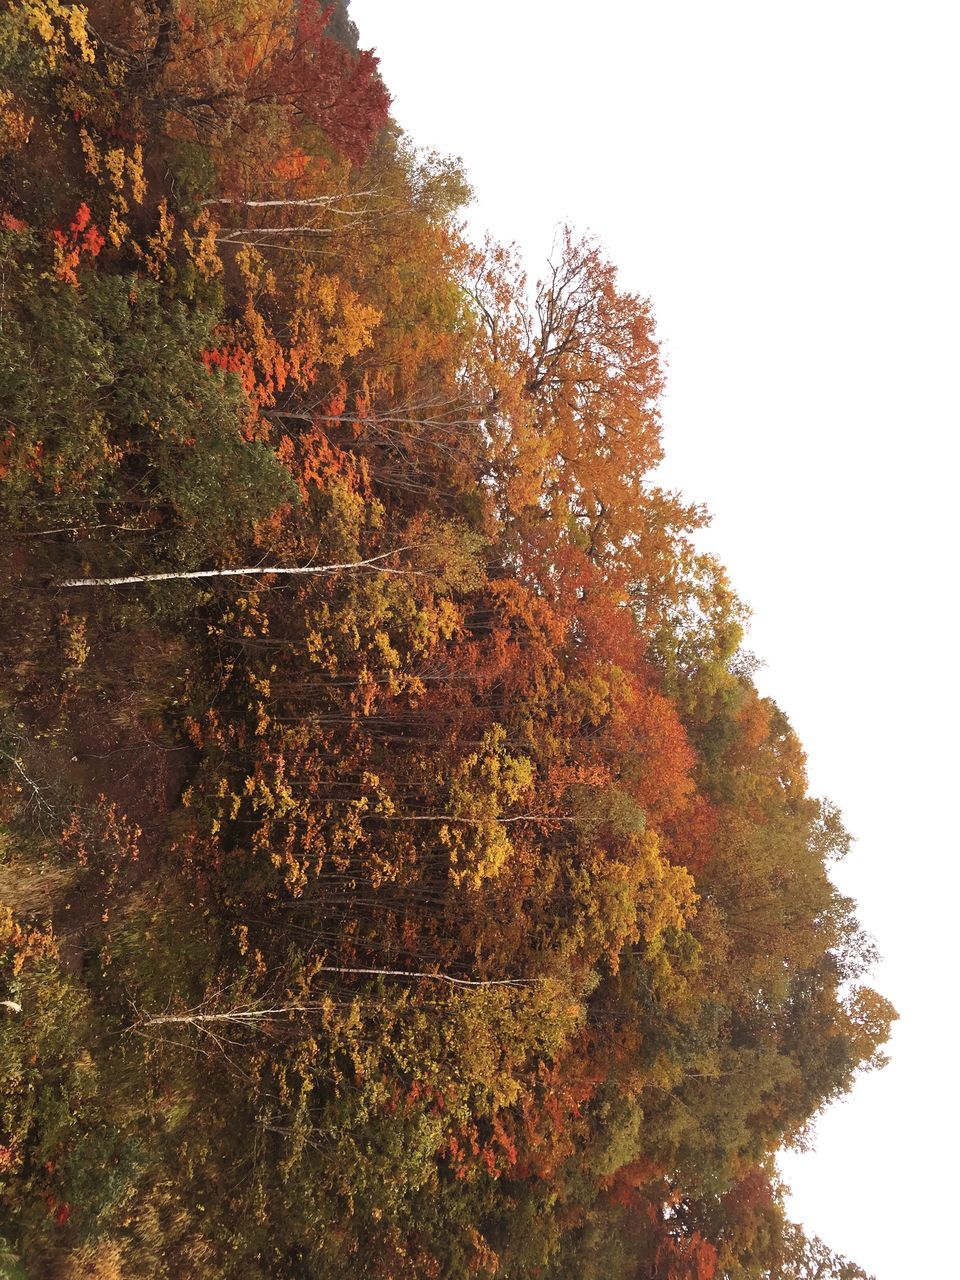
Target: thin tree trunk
(248, 571)
(239, 233)
(255, 1013)
(452, 817)
(311, 203)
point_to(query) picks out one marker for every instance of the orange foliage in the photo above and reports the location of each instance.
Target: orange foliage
(83, 237)
(685, 1258)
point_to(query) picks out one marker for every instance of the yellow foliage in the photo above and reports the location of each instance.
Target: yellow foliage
(91, 156)
(15, 124)
(117, 229)
(483, 786)
(76, 647)
(667, 896)
(101, 1261)
(201, 246)
(119, 172)
(258, 277)
(59, 26)
(329, 324)
(114, 161)
(158, 245)
(135, 175)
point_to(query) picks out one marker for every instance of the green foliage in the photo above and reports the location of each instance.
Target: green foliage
(111, 416)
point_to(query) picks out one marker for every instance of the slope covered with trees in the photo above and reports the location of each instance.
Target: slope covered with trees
(438, 896)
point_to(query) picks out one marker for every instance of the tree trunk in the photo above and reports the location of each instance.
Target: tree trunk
(248, 571)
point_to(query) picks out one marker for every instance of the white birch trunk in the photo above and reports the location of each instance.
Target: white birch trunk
(256, 1013)
(248, 571)
(314, 202)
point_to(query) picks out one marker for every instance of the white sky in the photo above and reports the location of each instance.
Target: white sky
(781, 180)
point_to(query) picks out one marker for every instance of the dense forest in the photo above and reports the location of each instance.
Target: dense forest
(400, 873)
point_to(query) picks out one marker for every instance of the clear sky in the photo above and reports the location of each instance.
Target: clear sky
(781, 180)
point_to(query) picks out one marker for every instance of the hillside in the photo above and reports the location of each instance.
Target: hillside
(401, 875)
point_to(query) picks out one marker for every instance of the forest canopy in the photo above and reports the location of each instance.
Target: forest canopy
(401, 875)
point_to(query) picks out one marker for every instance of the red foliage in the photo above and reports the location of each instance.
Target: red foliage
(685, 1258)
(625, 1188)
(324, 83)
(690, 835)
(83, 237)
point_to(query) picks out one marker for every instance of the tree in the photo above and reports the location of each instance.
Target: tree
(572, 384)
(275, 56)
